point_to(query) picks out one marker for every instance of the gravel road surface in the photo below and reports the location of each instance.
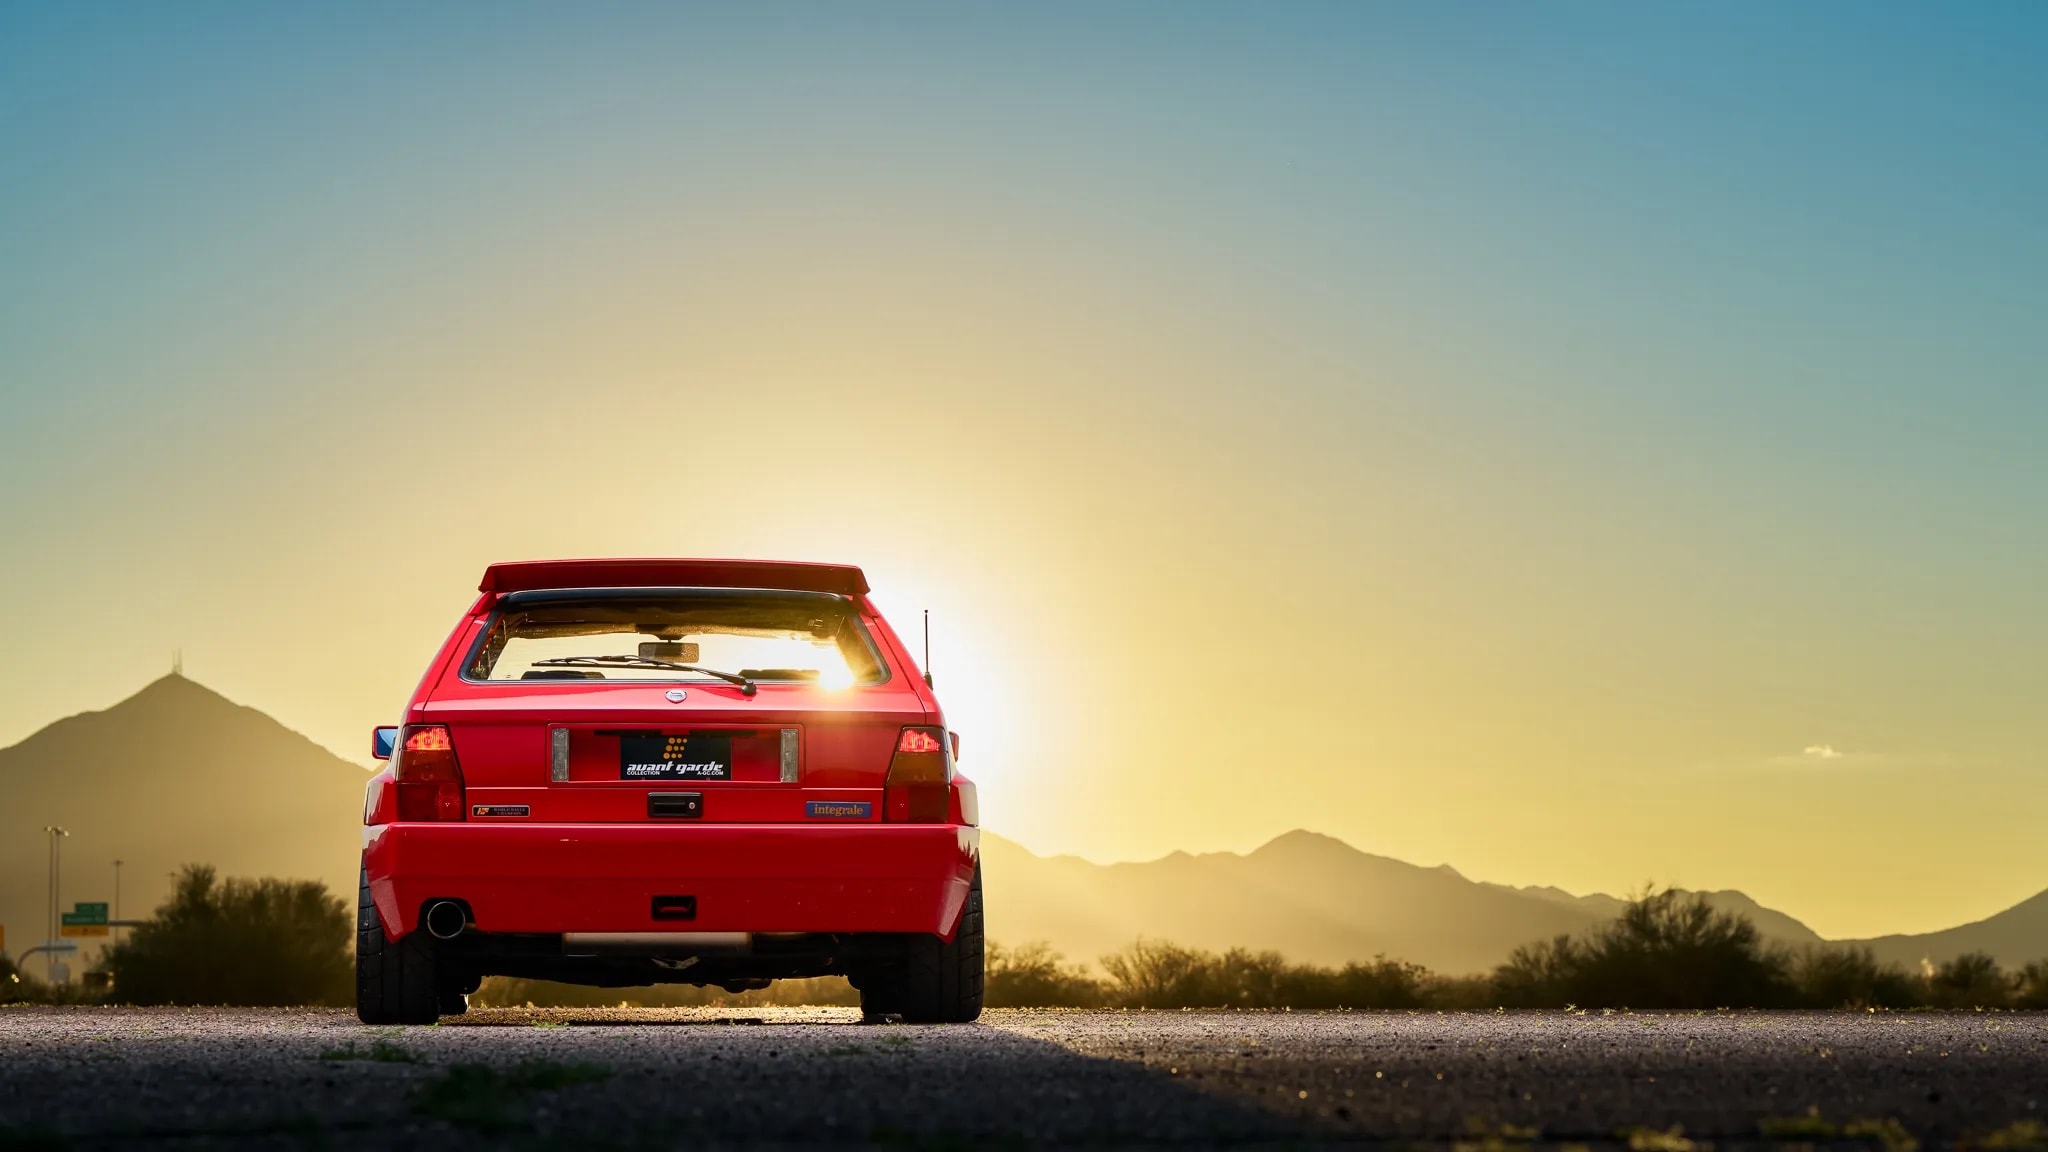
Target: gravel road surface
(642, 1078)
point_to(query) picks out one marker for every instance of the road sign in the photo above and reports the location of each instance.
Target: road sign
(88, 920)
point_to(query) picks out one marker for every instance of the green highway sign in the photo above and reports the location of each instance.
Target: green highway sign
(90, 913)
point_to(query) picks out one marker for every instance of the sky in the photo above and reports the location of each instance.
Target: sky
(1585, 444)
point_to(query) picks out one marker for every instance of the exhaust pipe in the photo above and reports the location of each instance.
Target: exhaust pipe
(657, 943)
(445, 919)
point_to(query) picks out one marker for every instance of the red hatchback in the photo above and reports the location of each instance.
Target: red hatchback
(626, 772)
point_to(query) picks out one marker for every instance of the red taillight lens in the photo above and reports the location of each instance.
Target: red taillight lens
(428, 738)
(919, 790)
(427, 775)
(920, 740)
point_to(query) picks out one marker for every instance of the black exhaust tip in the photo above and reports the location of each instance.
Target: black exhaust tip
(445, 919)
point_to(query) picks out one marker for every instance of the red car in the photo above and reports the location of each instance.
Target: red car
(627, 772)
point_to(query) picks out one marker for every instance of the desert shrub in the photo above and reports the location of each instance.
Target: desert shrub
(1458, 994)
(256, 942)
(1665, 950)
(1972, 980)
(1538, 975)
(1381, 983)
(1852, 978)
(1033, 976)
(1386, 983)
(2030, 986)
(1156, 974)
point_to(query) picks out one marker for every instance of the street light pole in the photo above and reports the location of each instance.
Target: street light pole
(56, 862)
(117, 899)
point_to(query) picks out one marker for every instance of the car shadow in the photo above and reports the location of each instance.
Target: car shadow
(809, 1075)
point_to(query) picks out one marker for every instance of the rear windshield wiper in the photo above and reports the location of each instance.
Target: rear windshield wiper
(747, 687)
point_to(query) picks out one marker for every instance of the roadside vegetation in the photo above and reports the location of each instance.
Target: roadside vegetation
(258, 942)
(276, 942)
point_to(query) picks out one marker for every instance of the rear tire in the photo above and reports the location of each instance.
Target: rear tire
(932, 981)
(395, 981)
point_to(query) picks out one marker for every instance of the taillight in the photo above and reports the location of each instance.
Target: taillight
(920, 778)
(427, 776)
(920, 740)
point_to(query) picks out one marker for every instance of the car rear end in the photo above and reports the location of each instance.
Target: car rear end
(628, 772)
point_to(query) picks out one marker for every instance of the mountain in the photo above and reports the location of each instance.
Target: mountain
(175, 774)
(1310, 897)
(2015, 936)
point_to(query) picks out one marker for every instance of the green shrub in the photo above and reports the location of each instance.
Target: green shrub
(1034, 976)
(252, 942)
(1665, 950)
(1852, 978)
(1156, 974)
(2030, 986)
(1972, 980)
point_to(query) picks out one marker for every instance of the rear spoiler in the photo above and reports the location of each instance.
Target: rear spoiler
(527, 575)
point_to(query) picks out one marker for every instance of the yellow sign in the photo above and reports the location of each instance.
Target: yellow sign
(82, 930)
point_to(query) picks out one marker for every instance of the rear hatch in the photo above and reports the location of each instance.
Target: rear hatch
(660, 704)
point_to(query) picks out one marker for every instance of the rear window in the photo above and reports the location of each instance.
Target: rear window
(643, 634)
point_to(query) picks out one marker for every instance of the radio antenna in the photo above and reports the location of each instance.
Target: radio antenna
(927, 647)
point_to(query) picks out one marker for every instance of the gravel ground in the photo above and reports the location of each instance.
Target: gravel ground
(642, 1078)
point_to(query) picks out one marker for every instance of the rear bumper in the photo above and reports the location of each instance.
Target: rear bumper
(552, 878)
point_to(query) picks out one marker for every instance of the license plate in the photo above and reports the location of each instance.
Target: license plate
(675, 756)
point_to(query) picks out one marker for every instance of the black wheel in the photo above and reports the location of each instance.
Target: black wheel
(394, 978)
(933, 981)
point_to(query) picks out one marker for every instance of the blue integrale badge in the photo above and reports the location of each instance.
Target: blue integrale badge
(839, 809)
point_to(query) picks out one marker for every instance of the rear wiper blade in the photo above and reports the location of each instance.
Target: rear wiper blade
(747, 687)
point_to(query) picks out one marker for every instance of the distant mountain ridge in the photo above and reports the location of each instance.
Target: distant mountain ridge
(1308, 896)
(179, 774)
(1315, 898)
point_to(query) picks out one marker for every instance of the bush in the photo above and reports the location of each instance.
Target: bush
(1033, 976)
(2030, 986)
(1852, 978)
(1386, 983)
(244, 942)
(1155, 974)
(1665, 950)
(1972, 980)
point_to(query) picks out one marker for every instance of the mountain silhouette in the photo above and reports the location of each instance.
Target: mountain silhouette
(178, 774)
(2015, 936)
(1308, 896)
